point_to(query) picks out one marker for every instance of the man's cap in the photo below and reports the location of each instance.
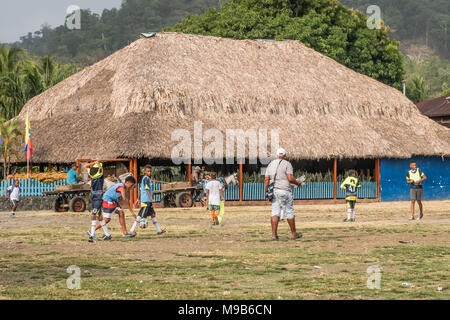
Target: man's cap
(74, 165)
(281, 151)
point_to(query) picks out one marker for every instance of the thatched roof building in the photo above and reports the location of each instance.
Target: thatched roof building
(128, 104)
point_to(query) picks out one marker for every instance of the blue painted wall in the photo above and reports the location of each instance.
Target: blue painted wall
(393, 178)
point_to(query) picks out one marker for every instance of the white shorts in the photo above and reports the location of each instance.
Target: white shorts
(110, 214)
(283, 199)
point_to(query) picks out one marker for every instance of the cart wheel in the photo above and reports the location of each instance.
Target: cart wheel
(61, 204)
(77, 204)
(168, 201)
(184, 200)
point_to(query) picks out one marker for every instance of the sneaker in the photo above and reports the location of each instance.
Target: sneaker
(347, 220)
(297, 236)
(106, 238)
(411, 218)
(13, 214)
(90, 234)
(352, 220)
(129, 235)
(421, 216)
(91, 239)
(160, 233)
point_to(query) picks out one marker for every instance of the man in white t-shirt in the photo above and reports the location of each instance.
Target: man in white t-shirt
(214, 189)
(281, 173)
(14, 193)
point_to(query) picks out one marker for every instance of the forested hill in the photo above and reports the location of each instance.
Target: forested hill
(101, 35)
(425, 22)
(411, 21)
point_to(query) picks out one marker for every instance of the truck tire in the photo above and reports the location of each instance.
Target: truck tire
(184, 200)
(77, 204)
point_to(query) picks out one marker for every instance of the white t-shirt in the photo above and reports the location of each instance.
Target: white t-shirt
(15, 191)
(214, 188)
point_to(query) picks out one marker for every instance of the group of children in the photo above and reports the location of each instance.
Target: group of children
(105, 205)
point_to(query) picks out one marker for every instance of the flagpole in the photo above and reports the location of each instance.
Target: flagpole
(27, 153)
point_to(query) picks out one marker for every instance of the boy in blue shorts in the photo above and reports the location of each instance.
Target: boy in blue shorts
(95, 172)
(146, 202)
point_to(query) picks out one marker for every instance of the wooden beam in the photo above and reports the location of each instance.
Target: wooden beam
(131, 191)
(136, 176)
(378, 177)
(335, 179)
(104, 160)
(241, 198)
(189, 169)
(78, 166)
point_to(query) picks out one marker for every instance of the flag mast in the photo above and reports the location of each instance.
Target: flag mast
(26, 154)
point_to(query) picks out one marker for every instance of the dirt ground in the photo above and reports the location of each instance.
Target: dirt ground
(382, 235)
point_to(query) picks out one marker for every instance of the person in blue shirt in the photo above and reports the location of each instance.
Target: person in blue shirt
(146, 203)
(72, 175)
(111, 206)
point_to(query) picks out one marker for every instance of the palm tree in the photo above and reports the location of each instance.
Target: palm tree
(10, 59)
(21, 80)
(417, 90)
(11, 87)
(39, 77)
(11, 135)
(12, 95)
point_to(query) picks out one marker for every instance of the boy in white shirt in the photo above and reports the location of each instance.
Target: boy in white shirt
(14, 193)
(214, 190)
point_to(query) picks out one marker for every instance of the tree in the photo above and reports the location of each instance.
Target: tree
(324, 25)
(417, 89)
(21, 78)
(11, 136)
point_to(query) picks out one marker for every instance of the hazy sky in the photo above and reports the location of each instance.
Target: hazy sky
(18, 17)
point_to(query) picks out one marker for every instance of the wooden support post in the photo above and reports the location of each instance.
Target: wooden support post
(131, 191)
(136, 176)
(335, 179)
(189, 171)
(241, 198)
(378, 177)
(78, 167)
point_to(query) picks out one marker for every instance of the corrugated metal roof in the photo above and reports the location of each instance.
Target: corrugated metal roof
(438, 107)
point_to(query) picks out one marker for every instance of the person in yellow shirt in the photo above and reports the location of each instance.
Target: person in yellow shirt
(414, 178)
(350, 185)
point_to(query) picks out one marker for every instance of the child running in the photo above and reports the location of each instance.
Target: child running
(146, 203)
(95, 172)
(111, 206)
(349, 185)
(214, 190)
(14, 193)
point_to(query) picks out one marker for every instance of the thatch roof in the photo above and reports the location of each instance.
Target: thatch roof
(128, 104)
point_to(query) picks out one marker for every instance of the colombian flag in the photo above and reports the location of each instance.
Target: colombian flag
(28, 144)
